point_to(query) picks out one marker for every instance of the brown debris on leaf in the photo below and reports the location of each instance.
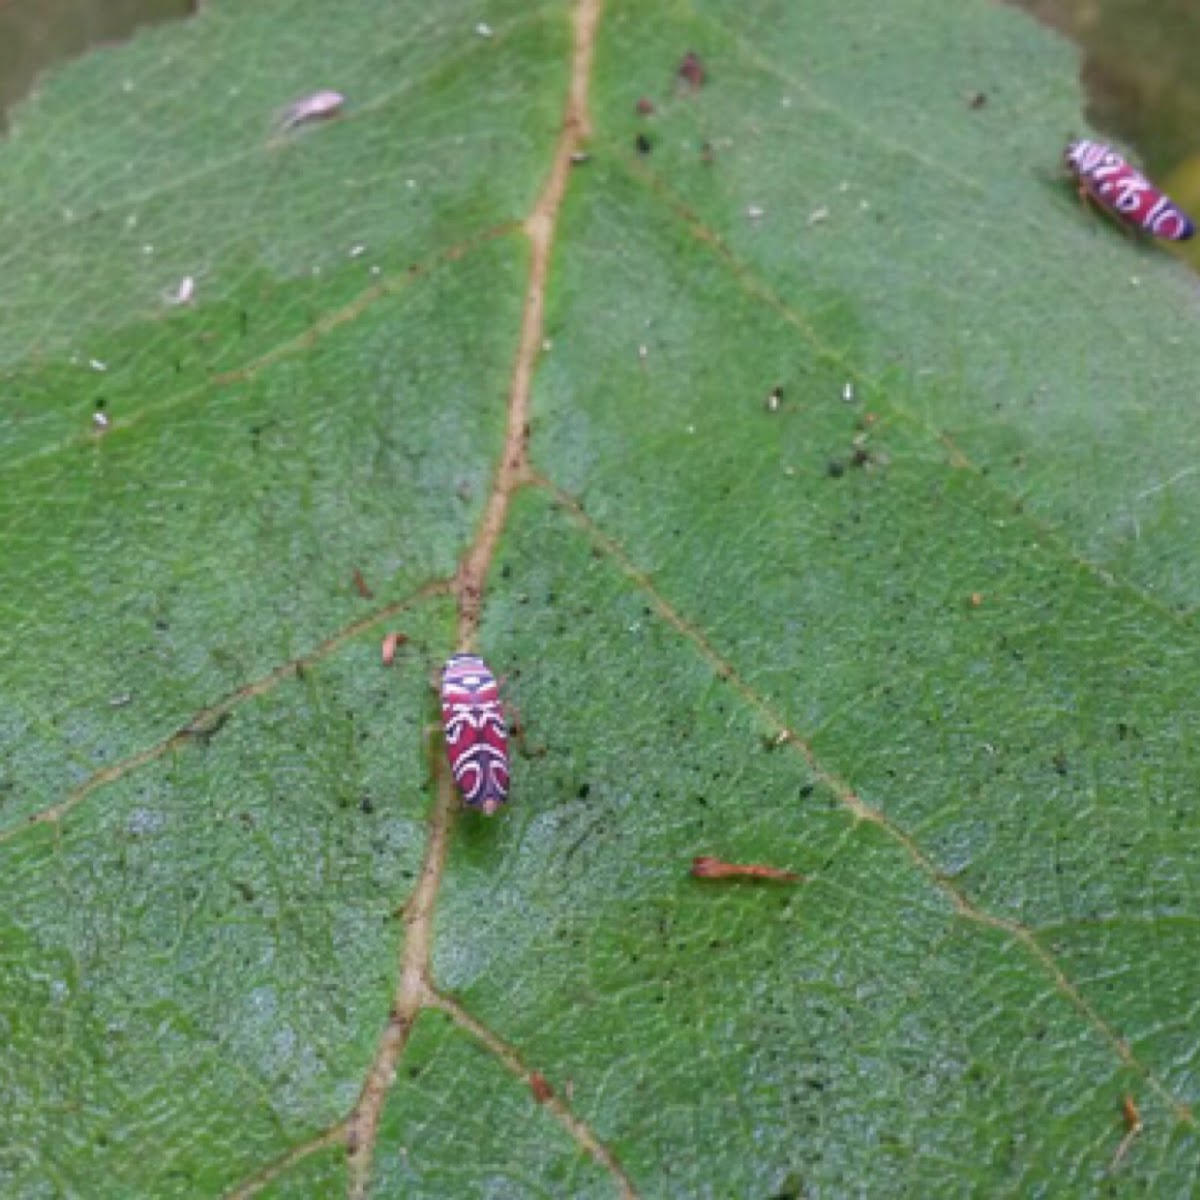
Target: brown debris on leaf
(1133, 1127)
(645, 107)
(360, 586)
(707, 867)
(540, 1087)
(691, 73)
(390, 644)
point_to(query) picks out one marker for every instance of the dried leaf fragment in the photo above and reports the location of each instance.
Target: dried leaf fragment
(707, 867)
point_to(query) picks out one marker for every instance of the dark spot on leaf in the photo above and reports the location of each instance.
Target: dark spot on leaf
(643, 144)
(691, 71)
(836, 468)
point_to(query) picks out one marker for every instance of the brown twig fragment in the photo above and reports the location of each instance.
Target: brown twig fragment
(707, 867)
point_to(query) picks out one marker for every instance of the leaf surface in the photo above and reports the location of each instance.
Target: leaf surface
(921, 628)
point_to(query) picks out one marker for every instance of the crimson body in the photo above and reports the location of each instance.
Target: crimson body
(476, 735)
(1125, 191)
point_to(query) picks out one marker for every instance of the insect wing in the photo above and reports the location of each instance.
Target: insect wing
(476, 735)
(1166, 220)
(1126, 192)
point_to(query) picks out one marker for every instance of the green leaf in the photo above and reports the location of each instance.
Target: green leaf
(922, 628)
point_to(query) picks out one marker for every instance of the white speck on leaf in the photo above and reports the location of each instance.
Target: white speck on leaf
(99, 421)
(483, 30)
(318, 106)
(355, 251)
(184, 292)
(97, 365)
(754, 212)
(818, 215)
